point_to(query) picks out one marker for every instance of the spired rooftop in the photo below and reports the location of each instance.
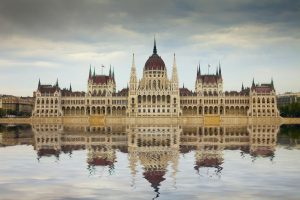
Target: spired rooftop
(155, 62)
(156, 95)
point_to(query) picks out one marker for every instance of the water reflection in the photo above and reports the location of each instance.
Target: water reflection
(156, 150)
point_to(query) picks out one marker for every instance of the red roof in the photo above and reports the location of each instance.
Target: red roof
(66, 92)
(263, 151)
(48, 89)
(263, 89)
(101, 79)
(185, 92)
(47, 152)
(154, 177)
(123, 92)
(209, 162)
(100, 162)
(209, 78)
(155, 62)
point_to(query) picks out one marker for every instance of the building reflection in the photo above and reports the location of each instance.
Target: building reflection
(153, 149)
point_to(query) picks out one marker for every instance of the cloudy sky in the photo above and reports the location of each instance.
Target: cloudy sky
(61, 38)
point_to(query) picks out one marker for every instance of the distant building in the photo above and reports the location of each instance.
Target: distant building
(287, 98)
(17, 104)
(155, 94)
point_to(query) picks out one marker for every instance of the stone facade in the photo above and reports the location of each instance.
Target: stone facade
(17, 104)
(156, 95)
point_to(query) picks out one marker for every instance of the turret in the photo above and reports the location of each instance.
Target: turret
(56, 84)
(70, 88)
(110, 71)
(90, 72)
(133, 77)
(174, 75)
(272, 84)
(113, 74)
(39, 84)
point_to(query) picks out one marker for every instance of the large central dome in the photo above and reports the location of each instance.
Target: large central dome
(155, 62)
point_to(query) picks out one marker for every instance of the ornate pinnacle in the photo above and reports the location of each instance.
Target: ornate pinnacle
(154, 48)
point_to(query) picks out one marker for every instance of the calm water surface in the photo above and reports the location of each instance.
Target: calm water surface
(149, 162)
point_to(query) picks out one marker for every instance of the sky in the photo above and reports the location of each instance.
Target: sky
(62, 38)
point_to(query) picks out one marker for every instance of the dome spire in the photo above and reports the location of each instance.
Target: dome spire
(154, 48)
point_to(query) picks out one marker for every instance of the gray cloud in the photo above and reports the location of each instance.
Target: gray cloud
(60, 37)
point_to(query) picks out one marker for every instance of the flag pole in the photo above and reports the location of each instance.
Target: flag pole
(102, 69)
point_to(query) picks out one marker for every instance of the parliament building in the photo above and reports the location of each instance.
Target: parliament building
(155, 95)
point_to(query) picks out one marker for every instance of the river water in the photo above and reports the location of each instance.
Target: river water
(149, 162)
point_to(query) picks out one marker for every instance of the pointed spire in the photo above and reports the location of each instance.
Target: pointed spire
(39, 82)
(94, 72)
(243, 86)
(133, 61)
(56, 84)
(272, 83)
(90, 72)
(113, 73)
(217, 71)
(174, 61)
(133, 78)
(220, 73)
(199, 69)
(182, 85)
(110, 70)
(70, 88)
(253, 84)
(174, 74)
(154, 48)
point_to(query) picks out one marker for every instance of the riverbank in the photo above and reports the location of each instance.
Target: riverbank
(102, 120)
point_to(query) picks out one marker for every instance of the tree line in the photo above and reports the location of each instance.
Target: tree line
(290, 110)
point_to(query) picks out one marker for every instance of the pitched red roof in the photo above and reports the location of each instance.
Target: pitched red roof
(48, 152)
(101, 79)
(100, 162)
(123, 92)
(264, 88)
(185, 92)
(211, 78)
(48, 89)
(209, 162)
(67, 92)
(262, 151)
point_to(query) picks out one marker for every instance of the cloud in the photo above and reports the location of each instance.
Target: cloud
(63, 37)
